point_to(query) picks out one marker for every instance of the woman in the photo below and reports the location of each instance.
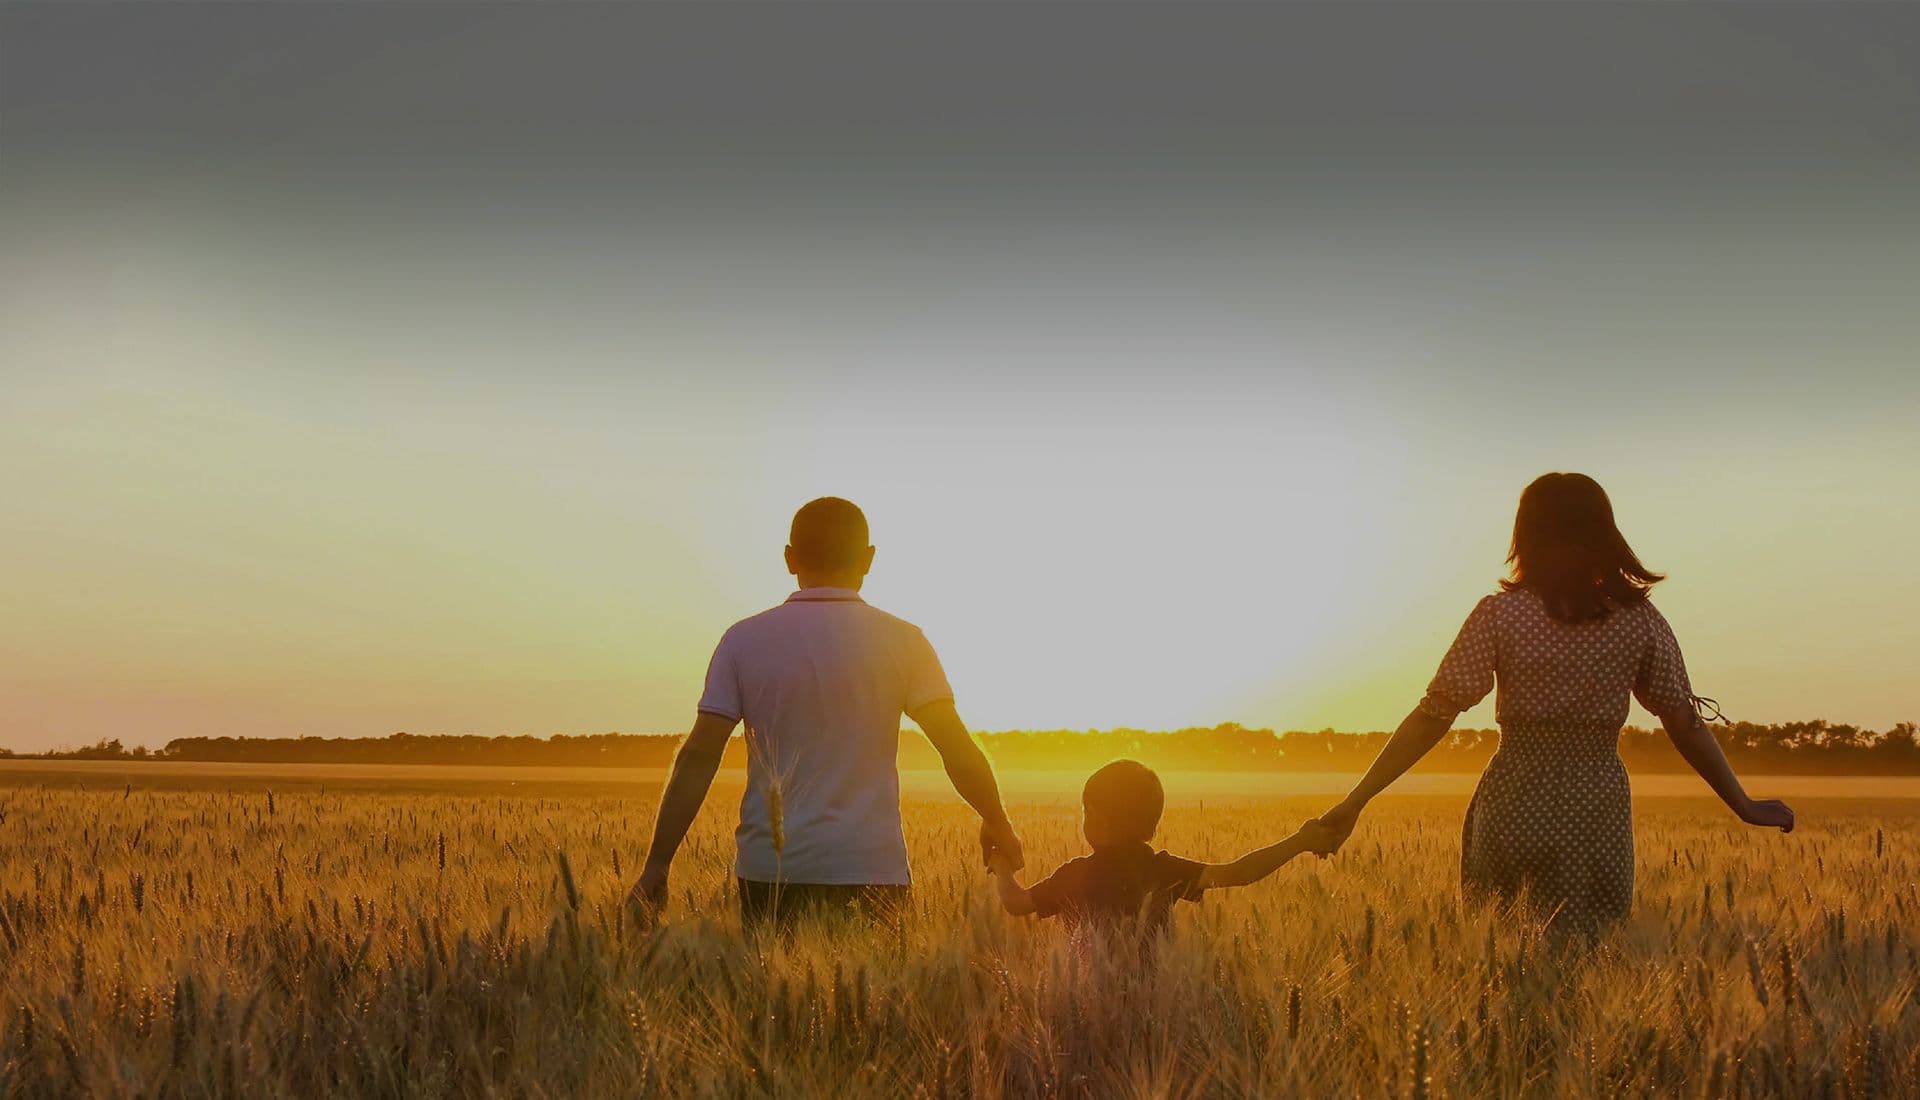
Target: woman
(1568, 639)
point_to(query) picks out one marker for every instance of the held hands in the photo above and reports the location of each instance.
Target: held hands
(1000, 846)
(1000, 863)
(1768, 812)
(1334, 827)
(1319, 839)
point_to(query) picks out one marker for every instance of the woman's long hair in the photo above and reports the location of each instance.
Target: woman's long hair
(1567, 549)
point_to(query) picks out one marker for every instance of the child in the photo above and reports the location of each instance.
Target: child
(1125, 877)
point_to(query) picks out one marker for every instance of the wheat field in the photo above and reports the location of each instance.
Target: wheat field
(185, 942)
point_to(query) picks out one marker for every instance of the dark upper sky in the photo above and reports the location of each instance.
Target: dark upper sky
(439, 367)
(1139, 96)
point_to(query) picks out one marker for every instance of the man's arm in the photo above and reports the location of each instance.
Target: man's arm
(972, 776)
(693, 771)
(1258, 864)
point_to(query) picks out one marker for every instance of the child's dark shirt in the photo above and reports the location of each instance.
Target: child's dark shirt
(1118, 882)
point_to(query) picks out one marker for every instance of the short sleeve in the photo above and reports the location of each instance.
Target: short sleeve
(1660, 683)
(1057, 890)
(926, 680)
(1466, 672)
(1180, 878)
(722, 693)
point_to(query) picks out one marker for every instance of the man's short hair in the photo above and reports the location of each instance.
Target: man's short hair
(829, 535)
(1128, 794)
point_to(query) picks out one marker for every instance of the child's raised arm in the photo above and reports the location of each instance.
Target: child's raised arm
(1261, 862)
(1013, 896)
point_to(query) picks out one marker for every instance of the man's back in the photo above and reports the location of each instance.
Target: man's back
(821, 682)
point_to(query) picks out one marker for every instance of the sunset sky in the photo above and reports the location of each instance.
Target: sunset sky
(458, 370)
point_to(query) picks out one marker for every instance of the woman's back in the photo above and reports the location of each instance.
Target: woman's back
(1560, 676)
(1551, 820)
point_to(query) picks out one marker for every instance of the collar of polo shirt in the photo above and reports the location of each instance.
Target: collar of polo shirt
(825, 595)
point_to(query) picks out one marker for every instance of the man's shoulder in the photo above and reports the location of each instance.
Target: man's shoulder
(795, 614)
(892, 621)
(750, 625)
(885, 622)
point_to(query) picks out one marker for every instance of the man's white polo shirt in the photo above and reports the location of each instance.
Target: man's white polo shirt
(821, 682)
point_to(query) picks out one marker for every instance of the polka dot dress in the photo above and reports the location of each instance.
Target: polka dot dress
(1551, 821)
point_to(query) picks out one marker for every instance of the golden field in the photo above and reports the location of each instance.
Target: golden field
(219, 934)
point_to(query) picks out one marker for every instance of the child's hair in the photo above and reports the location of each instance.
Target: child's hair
(1128, 794)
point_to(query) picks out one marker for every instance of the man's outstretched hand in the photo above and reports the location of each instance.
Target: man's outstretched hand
(998, 837)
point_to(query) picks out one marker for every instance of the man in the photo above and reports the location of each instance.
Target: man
(821, 682)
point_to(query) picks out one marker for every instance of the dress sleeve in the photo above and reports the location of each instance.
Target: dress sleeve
(722, 694)
(1466, 672)
(1660, 683)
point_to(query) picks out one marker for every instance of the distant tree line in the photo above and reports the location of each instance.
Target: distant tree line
(1816, 747)
(102, 750)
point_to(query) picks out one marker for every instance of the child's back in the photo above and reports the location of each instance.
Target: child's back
(1118, 881)
(1125, 878)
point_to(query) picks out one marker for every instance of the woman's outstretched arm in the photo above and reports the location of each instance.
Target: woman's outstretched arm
(1702, 753)
(1419, 732)
(1467, 674)
(1662, 686)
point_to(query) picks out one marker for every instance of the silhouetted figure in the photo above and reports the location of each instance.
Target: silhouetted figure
(821, 682)
(1568, 639)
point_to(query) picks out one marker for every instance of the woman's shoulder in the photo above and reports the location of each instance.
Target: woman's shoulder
(1645, 612)
(1499, 610)
(1508, 601)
